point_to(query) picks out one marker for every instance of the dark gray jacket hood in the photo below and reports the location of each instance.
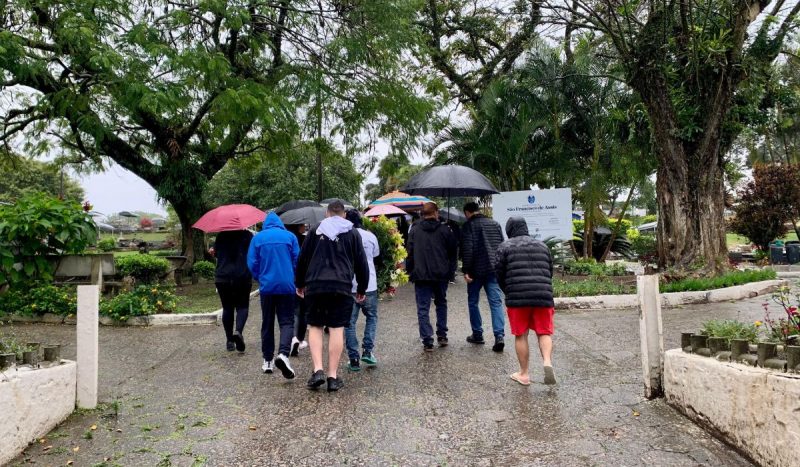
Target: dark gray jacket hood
(516, 227)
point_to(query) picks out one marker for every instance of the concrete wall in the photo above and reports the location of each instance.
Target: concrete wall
(32, 402)
(751, 408)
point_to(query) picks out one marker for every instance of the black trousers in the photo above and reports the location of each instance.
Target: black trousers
(235, 298)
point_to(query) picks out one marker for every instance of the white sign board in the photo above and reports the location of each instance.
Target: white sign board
(547, 212)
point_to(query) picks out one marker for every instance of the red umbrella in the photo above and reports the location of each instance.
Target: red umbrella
(230, 217)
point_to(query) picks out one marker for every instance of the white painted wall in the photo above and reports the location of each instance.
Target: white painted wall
(752, 408)
(33, 402)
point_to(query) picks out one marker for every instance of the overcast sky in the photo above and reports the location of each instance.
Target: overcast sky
(117, 190)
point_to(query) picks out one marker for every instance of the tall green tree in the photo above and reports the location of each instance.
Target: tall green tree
(174, 90)
(23, 176)
(266, 181)
(699, 68)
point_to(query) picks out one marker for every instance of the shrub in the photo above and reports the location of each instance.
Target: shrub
(107, 244)
(10, 344)
(143, 268)
(588, 287)
(726, 280)
(142, 301)
(730, 329)
(648, 219)
(38, 226)
(600, 241)
(204, 269)
(392, 250)
(645, 247)
(590, 267)
(36, 301)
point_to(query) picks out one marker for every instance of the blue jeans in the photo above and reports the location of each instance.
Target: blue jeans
(425, 290)
(370, 309)
(282, 307)
(494, 295)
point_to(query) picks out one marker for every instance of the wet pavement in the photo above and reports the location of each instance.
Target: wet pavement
(174, 396)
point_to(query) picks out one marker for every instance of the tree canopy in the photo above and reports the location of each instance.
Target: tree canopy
(174, 90)
(23, 176)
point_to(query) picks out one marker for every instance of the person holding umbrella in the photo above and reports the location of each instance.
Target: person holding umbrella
(431, 262)
(272, 259)
(232, 276)
(234, 283)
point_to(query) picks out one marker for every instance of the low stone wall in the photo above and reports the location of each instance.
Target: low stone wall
(672, 299)
(33, 402)
(752, 408)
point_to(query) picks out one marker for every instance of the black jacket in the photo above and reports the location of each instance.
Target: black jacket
(328, 266)
(480, 238)
(432, 252)
(524, 268)
(230, 248)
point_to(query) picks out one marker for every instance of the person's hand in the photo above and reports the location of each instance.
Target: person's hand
(301, 292)
(468, 279)
(212, 252)
(360, 298)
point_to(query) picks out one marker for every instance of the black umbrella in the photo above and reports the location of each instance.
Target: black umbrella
(328, 201)
(455, 214)
(449, 180)
(295, 204)
(306, 215)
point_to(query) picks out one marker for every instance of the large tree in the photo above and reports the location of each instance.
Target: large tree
(22, 176)
(699, 68)
(173, 90)
(472, 42)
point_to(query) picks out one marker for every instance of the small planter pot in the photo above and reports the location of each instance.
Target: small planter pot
(52, 353)
(740, 352)
(686, 342)
(30, 357)
(793, 358)
(768, 356)
(719, 347)
(7, 360)
(700, 345)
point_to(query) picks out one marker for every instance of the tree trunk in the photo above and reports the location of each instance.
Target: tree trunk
(192, 240)
(691, 224)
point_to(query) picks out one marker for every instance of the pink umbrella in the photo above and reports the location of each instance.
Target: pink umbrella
(230, 217)
(384, 210)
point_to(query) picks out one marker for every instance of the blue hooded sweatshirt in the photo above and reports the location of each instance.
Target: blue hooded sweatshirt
(272, 257)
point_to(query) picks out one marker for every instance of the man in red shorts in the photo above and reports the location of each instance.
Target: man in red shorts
(524, 271)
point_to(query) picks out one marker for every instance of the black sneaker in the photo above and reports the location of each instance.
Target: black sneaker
(354, 365)
(295, 350)
(475, 339)
(442, 341)
(316, 380)
(427, 346)
(238, 340)
(230, 346)
(499, 345)
(334, 384)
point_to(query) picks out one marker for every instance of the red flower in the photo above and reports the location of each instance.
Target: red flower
(792, 310)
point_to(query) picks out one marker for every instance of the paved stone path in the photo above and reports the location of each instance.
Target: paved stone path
(174, 396)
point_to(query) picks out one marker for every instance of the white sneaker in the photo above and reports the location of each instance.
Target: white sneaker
(282, 363)
(303, 345)
(295, 347)
(267, 366)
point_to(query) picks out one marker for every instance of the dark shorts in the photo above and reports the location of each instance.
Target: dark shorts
(329, 309)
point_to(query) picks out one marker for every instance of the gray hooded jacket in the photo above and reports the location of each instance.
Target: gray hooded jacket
(524, 268)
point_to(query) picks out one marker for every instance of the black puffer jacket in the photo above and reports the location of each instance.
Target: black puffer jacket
(524, 268)
(432, 252)
(480, 238)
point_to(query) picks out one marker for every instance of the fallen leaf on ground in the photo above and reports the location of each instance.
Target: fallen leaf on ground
(69, 462)
(119, 430)
(635, 413)
(76, 449)
(47, 448)
(93, 427)
(253, 428)
(43, 440)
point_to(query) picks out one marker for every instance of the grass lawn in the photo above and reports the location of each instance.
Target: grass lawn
(734, 240)
(197, 298)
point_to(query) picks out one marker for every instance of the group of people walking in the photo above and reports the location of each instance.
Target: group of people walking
(324, 279)
(521, 267)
